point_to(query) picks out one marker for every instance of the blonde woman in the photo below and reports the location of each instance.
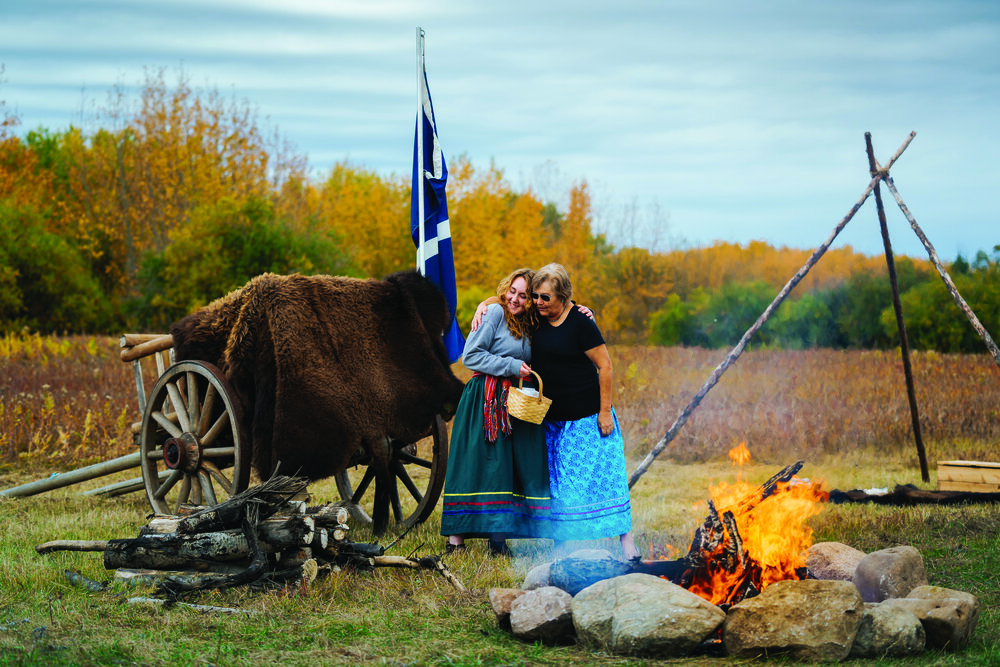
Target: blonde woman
(497, 484)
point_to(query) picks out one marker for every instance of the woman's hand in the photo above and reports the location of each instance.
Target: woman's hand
(477, 319)
(586, 311)
(605, 422)
(525, 370)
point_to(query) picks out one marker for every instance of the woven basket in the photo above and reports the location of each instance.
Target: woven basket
(527, 408)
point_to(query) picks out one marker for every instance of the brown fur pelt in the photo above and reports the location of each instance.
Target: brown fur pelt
(323, 365)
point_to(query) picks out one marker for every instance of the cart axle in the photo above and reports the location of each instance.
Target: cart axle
(183, 453)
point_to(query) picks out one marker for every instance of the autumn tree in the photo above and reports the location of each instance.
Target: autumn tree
(372, 216)
(634, 284)
(494, 228)
(575, 245)
(933, 319)
(727, 262)
(25, 180)
(131, 185)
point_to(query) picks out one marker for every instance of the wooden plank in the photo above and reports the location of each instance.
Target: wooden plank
(969, 464)
(948, 485)
(972, 475)
(978, 476)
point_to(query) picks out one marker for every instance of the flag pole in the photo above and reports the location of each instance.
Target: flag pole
(420, 148)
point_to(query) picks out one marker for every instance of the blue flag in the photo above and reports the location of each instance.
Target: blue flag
(430, 174)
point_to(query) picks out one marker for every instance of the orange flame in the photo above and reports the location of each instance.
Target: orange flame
(739, 454)
(774, 534)
(775, 537)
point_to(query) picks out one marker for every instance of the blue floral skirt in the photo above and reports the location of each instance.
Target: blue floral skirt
(588, 480)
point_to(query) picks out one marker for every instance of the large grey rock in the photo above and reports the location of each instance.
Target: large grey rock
(888, 632)
(544, 614)
(585, 567)
(593, 614)
(889, 573)
(501, 600)
(537, 577)
(833, 561)
(949, 617)
(808, 620)
(643, 615)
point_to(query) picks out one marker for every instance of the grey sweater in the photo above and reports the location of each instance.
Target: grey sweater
(491, 348)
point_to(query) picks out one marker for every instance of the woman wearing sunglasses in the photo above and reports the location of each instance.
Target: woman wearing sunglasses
(588, 479)
(497, 484)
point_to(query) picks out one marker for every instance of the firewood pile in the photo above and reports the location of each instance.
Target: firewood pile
(263, 538)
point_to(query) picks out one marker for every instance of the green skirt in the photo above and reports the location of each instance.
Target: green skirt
(495, 487)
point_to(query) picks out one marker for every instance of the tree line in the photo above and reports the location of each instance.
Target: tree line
(182, 195)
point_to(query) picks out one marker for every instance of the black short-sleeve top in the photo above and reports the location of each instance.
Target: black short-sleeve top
(569, 377)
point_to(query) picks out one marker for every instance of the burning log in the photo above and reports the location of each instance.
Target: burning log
(718, 548)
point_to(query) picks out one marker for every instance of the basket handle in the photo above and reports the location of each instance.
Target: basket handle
(520, 384)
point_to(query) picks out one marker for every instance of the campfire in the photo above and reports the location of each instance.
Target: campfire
(752, 536)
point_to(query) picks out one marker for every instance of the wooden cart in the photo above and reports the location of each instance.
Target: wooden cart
(194, 447)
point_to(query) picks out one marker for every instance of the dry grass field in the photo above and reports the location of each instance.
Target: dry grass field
(67, 401)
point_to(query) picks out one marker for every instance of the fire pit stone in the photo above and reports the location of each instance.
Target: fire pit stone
(833, 561)
(537, 577)
(501, 600)
(888, 631)
(949, 617)
(585, 567)
(544, 614)
(808, 620)
(889, 573)
(639, 614)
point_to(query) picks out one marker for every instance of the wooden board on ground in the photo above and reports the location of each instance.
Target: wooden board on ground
(979, 476)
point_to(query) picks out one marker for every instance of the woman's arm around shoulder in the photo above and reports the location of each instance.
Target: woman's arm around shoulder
(478, 356)
(481, 310)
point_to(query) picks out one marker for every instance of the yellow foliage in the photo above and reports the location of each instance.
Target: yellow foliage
(372, 216)
(134, 186)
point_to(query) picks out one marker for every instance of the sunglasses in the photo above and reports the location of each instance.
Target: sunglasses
(544, 297)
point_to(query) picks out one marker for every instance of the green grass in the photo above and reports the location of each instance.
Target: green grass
(403, 617)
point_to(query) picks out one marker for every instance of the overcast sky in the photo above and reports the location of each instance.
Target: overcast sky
(726, 120)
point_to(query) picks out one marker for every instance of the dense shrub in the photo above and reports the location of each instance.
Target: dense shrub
(223, 247)
(45, 283)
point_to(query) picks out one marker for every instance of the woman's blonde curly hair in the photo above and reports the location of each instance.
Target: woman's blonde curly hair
(526, 323)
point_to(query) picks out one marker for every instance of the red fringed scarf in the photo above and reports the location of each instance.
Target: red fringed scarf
(495, 417)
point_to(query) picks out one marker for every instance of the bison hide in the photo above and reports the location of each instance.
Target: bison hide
(326, 365)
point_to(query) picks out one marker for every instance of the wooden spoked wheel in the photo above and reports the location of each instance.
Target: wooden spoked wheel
(412, 488)
(192, 446)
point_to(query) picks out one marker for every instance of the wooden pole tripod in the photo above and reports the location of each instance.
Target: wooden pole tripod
(879, 175)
